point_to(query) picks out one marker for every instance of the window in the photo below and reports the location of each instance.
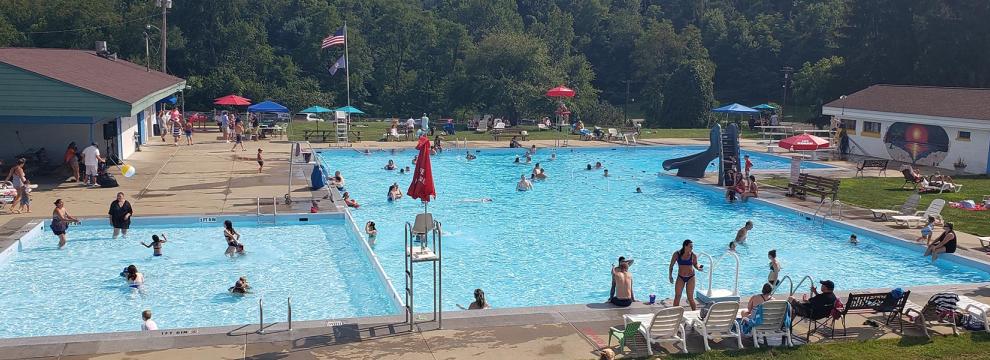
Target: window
(849, 125)
(963, 136)
(871, 128)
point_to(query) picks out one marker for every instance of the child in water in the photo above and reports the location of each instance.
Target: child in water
(372, 232)
(156, 243)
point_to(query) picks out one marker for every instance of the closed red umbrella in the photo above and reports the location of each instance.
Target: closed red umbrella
(422, 185)
(232, 100)
(561, 91)
(803, 142)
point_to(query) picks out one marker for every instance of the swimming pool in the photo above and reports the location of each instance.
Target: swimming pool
(555, 244)
(46, 291)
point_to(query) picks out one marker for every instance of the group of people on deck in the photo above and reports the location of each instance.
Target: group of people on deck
(741, 184)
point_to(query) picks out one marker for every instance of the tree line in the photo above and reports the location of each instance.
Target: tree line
(672, 60)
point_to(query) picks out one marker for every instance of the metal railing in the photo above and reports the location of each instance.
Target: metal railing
(261, 314)
(711, 272)
(791, 287)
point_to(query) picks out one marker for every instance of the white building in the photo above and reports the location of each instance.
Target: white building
(931, 126)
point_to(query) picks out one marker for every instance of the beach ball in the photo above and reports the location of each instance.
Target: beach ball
(127, 170)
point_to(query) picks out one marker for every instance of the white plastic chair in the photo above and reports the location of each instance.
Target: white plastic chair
(666, 325)
(424, 223)
(934, 210)
(720, 322)
(774, 313)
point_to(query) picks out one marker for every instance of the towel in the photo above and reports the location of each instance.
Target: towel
(755, 319)
(896, 294)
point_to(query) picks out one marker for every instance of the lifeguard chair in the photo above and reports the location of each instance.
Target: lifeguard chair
(427, 232)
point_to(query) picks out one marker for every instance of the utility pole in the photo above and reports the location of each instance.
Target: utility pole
(147, 53)
(165, 5)
(787, 70)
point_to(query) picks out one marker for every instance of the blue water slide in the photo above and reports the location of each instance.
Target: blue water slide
(694, 165)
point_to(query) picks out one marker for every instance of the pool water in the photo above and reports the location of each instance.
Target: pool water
(556, 243)
(46, 291)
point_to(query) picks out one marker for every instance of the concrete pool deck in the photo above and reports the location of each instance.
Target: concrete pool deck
(209, 179)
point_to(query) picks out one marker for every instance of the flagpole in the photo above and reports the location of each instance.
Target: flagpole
(347, 69)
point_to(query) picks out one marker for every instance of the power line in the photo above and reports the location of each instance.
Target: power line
(91, 27)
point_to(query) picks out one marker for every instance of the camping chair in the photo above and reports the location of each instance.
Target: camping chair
(720, 322)
(909, 179)
(622, 335)
(909, 208)
(666, 325)
(774, 314)
(820, 319)
(934, 210)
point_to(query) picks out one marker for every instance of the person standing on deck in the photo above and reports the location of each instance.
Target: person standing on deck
(424, 123)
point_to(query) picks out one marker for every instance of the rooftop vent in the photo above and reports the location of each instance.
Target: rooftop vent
(101, 51)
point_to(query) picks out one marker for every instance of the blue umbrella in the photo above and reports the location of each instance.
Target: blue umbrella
(349, 109)
(315, 109)
(735, 108)
(268, 106)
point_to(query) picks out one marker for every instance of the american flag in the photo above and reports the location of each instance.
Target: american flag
(336, 39)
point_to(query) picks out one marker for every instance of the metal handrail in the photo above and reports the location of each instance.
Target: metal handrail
(274, 209)
(806, 277)
(711, 272)
(258, 204)
(261, 316)
(289, 302)
(779, 282)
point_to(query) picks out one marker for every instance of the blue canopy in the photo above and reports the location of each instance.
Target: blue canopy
(349, 109)
(735, 108)
(268, 106)
(315, 109)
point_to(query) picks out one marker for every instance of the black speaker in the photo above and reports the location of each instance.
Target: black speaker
(110, 130)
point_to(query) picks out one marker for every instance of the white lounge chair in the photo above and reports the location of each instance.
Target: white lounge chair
(975, 308)
(666, 325)
(934, 210)
(541, 126)
(613, 134)
(966, 304)
(483, 124)
(940, 188)
(774, 313)
(720, 322)
(909, 207)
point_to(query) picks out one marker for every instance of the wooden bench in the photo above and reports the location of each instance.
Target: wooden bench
(882, 303)
(497, 133)
(356, 134)
(873, 164)
(811, 184)
(323, 134)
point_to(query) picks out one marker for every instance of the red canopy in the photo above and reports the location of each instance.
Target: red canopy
(232, 100)
(803, 142)
(422, 185)
(560, 91)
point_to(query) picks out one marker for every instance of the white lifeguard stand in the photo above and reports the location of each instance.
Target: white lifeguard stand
(425, 231)
(711, 295)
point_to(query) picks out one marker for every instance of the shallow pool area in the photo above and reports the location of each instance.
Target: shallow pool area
(556, 243)
(318, 262)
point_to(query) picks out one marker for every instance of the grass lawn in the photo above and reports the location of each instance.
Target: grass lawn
(886, 193)
(373, 130)
(964, 346)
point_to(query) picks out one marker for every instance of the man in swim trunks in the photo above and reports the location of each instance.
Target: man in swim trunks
(524, 184)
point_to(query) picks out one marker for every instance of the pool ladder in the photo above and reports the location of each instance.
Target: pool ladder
(792, 287)
(260, 215)
(834, 209)
(261, 314)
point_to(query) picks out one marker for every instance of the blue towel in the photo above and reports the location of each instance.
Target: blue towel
(756, 318)
(896, 294)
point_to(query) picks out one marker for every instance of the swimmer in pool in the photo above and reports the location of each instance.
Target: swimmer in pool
(553, 156)
(135, 279)
(372, 232)
(480, 200)
(390, 165)
(241, 286)
(606, 173)
(233, 239)
(639, 190)
(517, 160)
(538, 173)
(588, 168)
(524, 184)
(529, 159)
(598, 165)
(156, 243)
(744, 232)
(394, 193)
(470, 156)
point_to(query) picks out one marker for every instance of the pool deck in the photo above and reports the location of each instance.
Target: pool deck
(210, 179)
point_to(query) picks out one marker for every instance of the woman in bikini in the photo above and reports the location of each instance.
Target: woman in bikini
(135, 279)
(60, 222)
(233, 239)
(687, 262)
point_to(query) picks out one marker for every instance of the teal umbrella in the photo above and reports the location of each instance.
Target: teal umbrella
(765, 107)
(315, 109)
(349, 109)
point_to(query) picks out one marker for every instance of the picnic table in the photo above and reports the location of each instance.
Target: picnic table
(266, 130)
(768, 132)
(323, 134)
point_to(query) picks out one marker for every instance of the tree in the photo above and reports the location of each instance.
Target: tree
(509, 71)
(816, 83)
(689, 97)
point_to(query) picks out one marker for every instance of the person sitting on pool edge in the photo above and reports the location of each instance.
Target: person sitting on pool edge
(514, 143)
(623, 286)
(945, 243)
(350, 202)
(818, 304)
(524, 184)
(390, 165)
(241, 286)
(752, 189)
(615, 268)
(156, 244)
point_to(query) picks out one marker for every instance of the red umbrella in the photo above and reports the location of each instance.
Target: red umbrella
(422, 185)
(232, 100)
(561, 91)
(803, 142)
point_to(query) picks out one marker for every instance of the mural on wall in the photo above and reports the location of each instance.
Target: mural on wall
(916, 143)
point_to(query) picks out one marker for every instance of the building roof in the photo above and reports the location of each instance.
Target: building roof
(117, 79)
(963, 103)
